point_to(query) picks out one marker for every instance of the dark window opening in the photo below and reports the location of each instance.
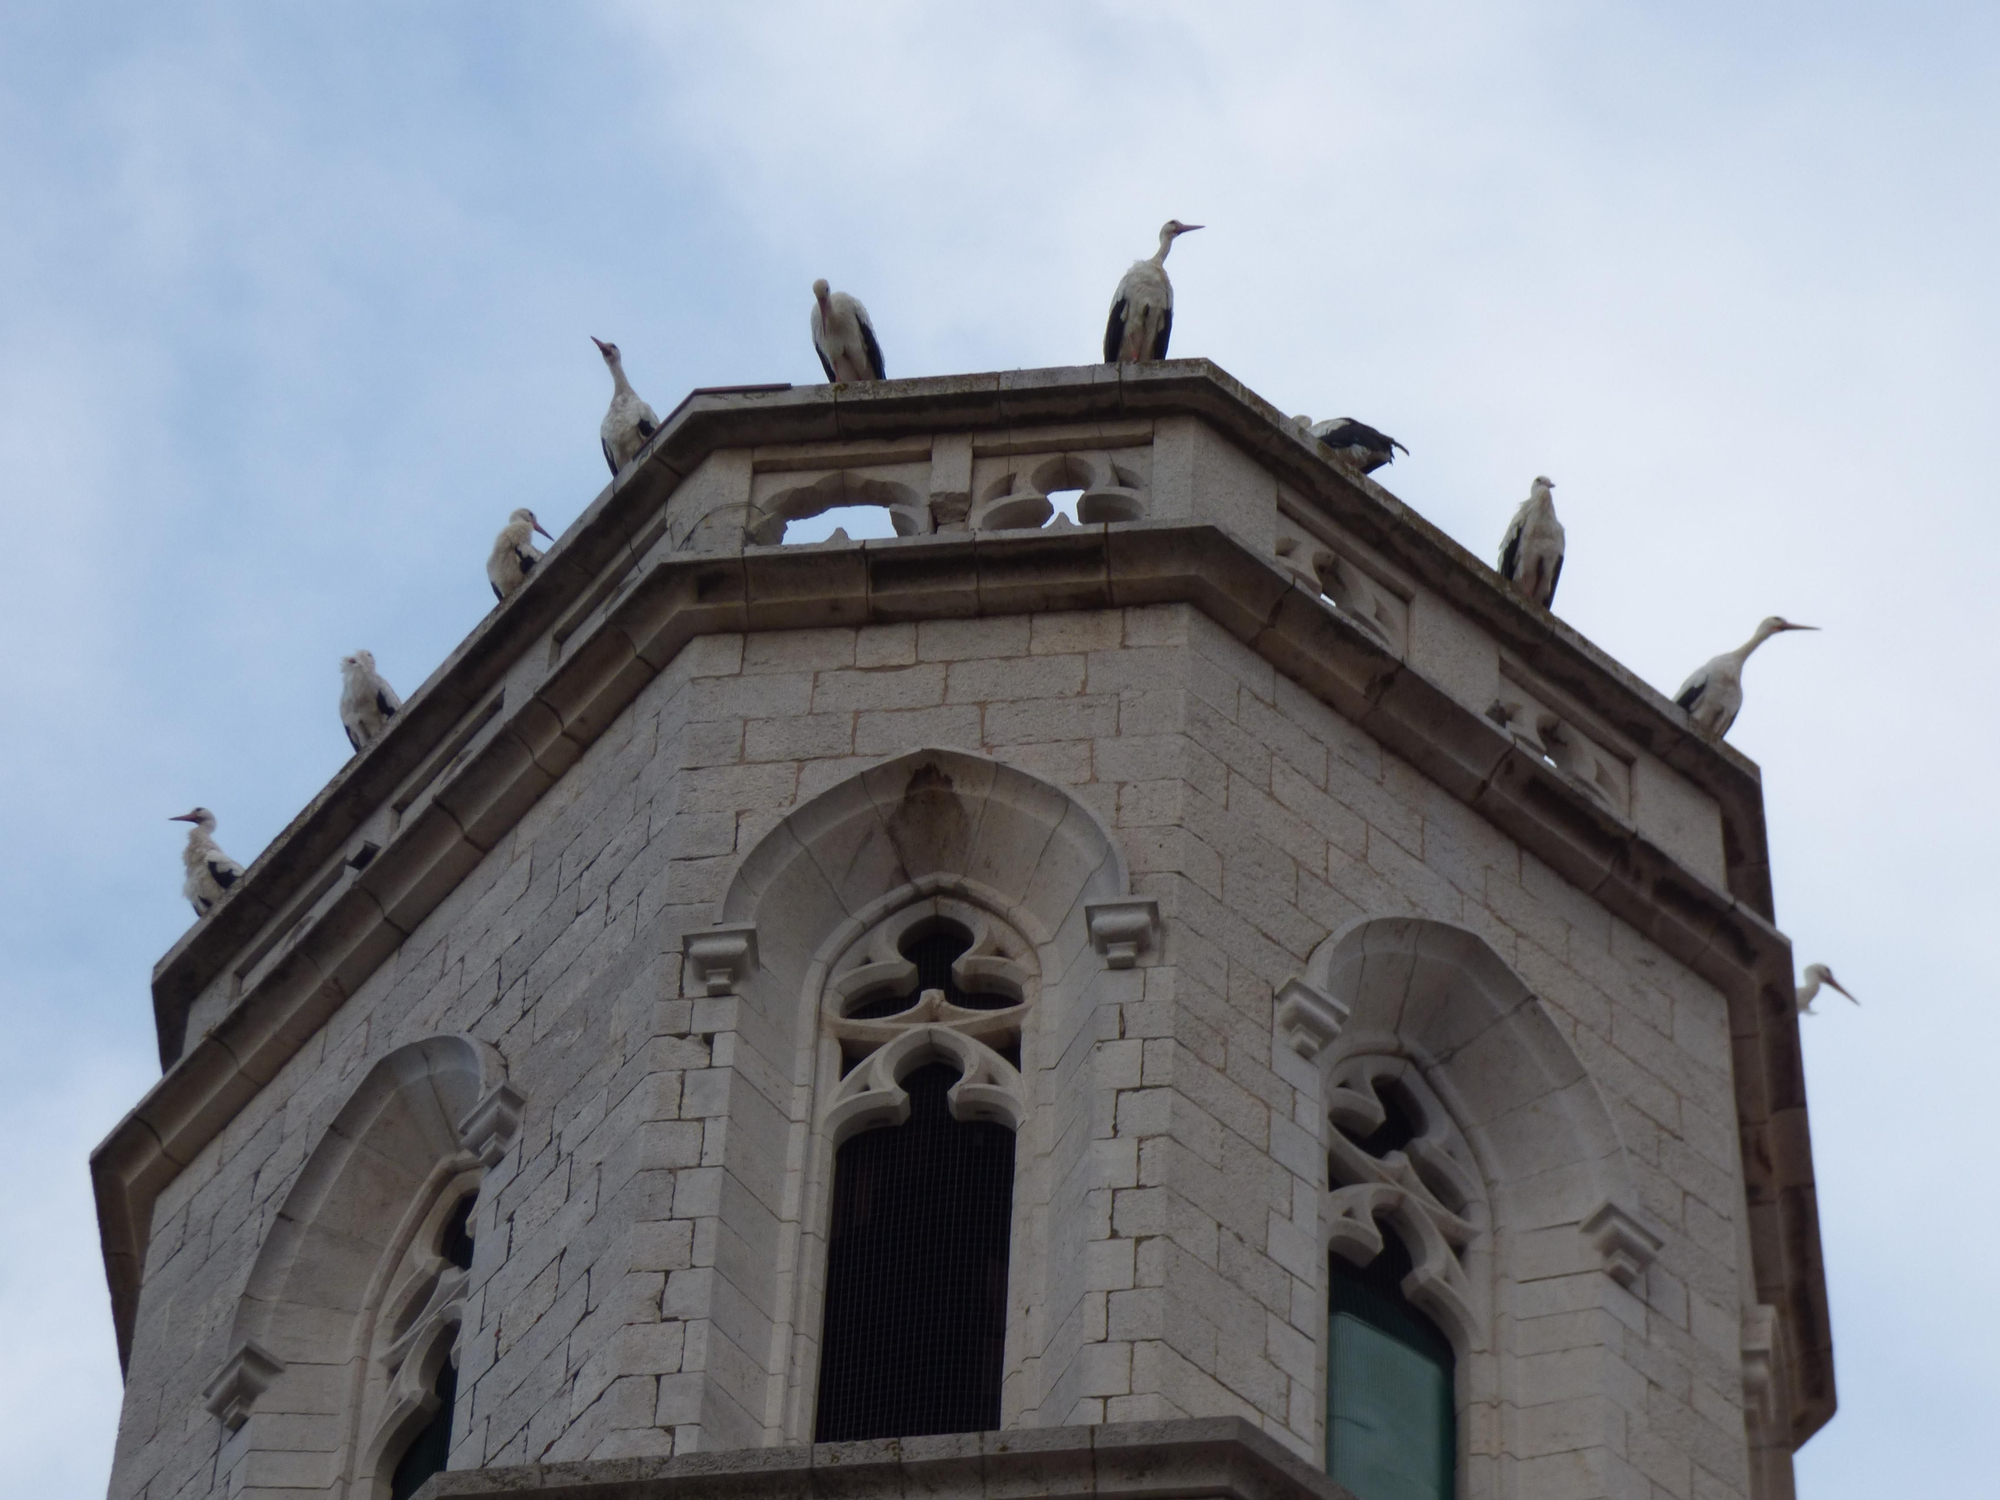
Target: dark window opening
(431, 1447)
(1391, 1422)
(1398, 1128)
(916, 1273)
(456, 1244)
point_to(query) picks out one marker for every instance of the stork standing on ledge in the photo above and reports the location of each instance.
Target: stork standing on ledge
(1142, 309)
(1531, 553)
(844, 336)
(630, 422)
(367, 703)
(514, 556)
(1817, 975)
(1714, 694)
(1358, 443)
(210, 872)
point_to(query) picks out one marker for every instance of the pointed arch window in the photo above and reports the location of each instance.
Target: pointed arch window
(927, 1019)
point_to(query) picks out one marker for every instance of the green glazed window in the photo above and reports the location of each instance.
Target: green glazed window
(1391, 1431)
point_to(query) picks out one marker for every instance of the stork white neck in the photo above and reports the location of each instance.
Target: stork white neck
(1166, 244)
(619, 384)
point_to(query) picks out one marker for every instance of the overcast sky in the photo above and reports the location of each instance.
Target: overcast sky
(294, 306)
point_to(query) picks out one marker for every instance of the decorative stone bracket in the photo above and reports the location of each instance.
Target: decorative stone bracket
(1308, 1018)
(244, 1376)
(488, 1128)
(1122, 930)
(1626, 1244)
(719, 959)
(1760, 1337)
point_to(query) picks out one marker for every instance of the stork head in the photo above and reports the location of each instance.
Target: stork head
(1170, 231)
(1821, 974)
(360, 661)
(1778, 623)
(609, 351)
(526, 517)
(821, 292)
(201, 817)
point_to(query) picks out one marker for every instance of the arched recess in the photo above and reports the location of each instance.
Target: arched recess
(933, 833)
(351, 1307)
(1516, 1177)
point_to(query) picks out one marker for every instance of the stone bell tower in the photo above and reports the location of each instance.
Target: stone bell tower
(1215, 998)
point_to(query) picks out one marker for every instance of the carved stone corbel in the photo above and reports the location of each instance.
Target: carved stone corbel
(1760, 1329)
(719, 959)
(1122, 930)
(244, 1376)
(1625, 1243)
(488, 1129)
(1308, 1018)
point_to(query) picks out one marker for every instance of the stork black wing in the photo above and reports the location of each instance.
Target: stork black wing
(1114, 332)
(1690, 693)
(875, 366)
(1166, 331)
(647, 427)
(1554, 579)
(526, 559)
(609, 462)
(382, 702)
(1510, 552)
(825, 363)
(496, 590)
(225, 875)
(352, 738)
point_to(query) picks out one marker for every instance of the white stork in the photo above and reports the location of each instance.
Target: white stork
(210, 872)
(1358, 443)
(514, 556)
(367, 703)
(1714, 694)
(1531, 553)
(630, 422)
(1142, 309)
(1817, 975)
(844, 336)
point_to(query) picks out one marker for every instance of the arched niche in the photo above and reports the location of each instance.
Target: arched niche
(930, 833)
(1515, 1176)
(418, 1131)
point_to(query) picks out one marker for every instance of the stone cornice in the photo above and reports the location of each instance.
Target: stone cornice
(776, 588)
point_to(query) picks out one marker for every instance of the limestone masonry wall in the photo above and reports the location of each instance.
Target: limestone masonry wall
(1260, 820)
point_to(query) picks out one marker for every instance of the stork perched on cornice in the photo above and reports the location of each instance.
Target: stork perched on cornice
(1713, 696)
(367, 702)
(1365, 447)
(1817, 975)
(514, 556)
(630, 422)
(210, 872)
(844, 336)
(1531, 553)
(1142, 309)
